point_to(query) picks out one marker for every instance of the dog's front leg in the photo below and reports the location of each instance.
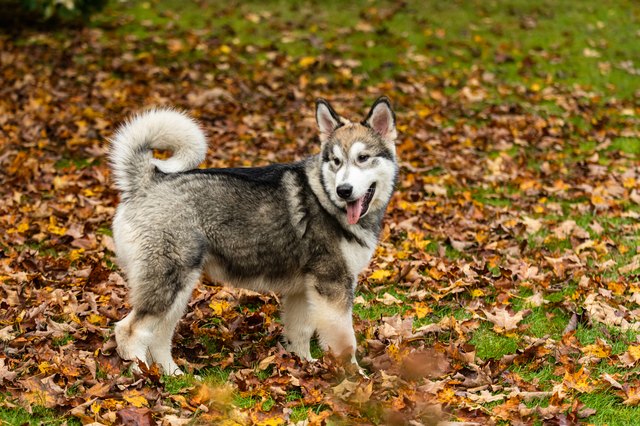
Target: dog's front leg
(331, 313)
(298, 324)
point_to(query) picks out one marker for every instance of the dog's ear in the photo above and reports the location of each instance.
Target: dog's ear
(328, 120)
(382, 119)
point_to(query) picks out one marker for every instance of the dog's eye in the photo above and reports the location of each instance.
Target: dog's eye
(362, 158)
(336, 161)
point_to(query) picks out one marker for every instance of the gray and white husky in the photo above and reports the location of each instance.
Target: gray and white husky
(304, 230)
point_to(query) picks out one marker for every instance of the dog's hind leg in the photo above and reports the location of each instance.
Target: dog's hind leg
(146, 335)
(160, 349)
(160, 284)
(133, 336)
(298, 324)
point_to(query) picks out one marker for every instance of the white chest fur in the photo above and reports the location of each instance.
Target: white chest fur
(356, 256)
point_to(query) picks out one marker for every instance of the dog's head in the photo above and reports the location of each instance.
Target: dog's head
(358, 159)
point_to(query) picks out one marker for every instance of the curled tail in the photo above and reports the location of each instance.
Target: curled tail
(131, 153)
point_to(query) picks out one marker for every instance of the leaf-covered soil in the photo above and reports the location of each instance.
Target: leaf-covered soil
(505, 289)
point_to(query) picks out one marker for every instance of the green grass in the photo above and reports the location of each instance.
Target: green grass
(61, 341)
(490, 345)
(211, 344)
(441, 311)
(268, 404)
(39, 416)
(543, 375)
(241, 401)
(627, 145)
(491, 198)
(530, 43)
(542, 325)
(78, 163)
(215, 375)
(617, 229)
(299, 413)
(316, 350)
(376, 310)
(264, 374)
(178, 384)
(610, 410)
(617, 339)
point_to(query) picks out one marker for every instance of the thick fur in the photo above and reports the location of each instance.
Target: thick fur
(279, 228)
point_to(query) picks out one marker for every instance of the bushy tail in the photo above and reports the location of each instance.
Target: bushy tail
(131, 153)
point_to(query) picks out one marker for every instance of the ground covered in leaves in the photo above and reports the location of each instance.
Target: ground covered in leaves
(505, 288)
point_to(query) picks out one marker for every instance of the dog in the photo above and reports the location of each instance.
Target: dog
(304, 230)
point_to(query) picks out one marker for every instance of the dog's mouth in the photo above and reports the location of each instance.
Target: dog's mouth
(358, 208)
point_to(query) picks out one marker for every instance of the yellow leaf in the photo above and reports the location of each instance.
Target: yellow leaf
(634, 351)
(422, 309)
(110, 403)
(481, 237)
(273, 421)
(219, 395)
(423, 112)
(90, 112)
(629, 182)
(394, 352)
(225, 49)
(134, 398)
(617, 288)
(95, 407)
(73, 317)
(477, 292)
(219, 306)
(380, 274)
(447, 395)
(75, 254)
(23, 227)
(54, 228)
(306, 61)
(538, 208)
(435, 273)
(579, 381)
(45, 367)
(96, 319)
(597, 200)
(599, 349)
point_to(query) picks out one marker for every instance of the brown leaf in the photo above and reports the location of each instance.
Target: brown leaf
(423, 364)
(504, 320)
(135, 417)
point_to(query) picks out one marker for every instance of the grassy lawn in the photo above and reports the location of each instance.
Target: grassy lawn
(536, 44)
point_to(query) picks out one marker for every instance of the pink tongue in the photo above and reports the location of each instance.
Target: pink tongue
(354, 210)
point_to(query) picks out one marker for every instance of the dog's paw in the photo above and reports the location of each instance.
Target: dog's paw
(172, 369)
(362, 373)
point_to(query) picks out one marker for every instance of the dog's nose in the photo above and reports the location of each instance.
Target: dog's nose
(344, 191)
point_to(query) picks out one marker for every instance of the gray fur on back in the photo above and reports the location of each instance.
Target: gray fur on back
(245, 224)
